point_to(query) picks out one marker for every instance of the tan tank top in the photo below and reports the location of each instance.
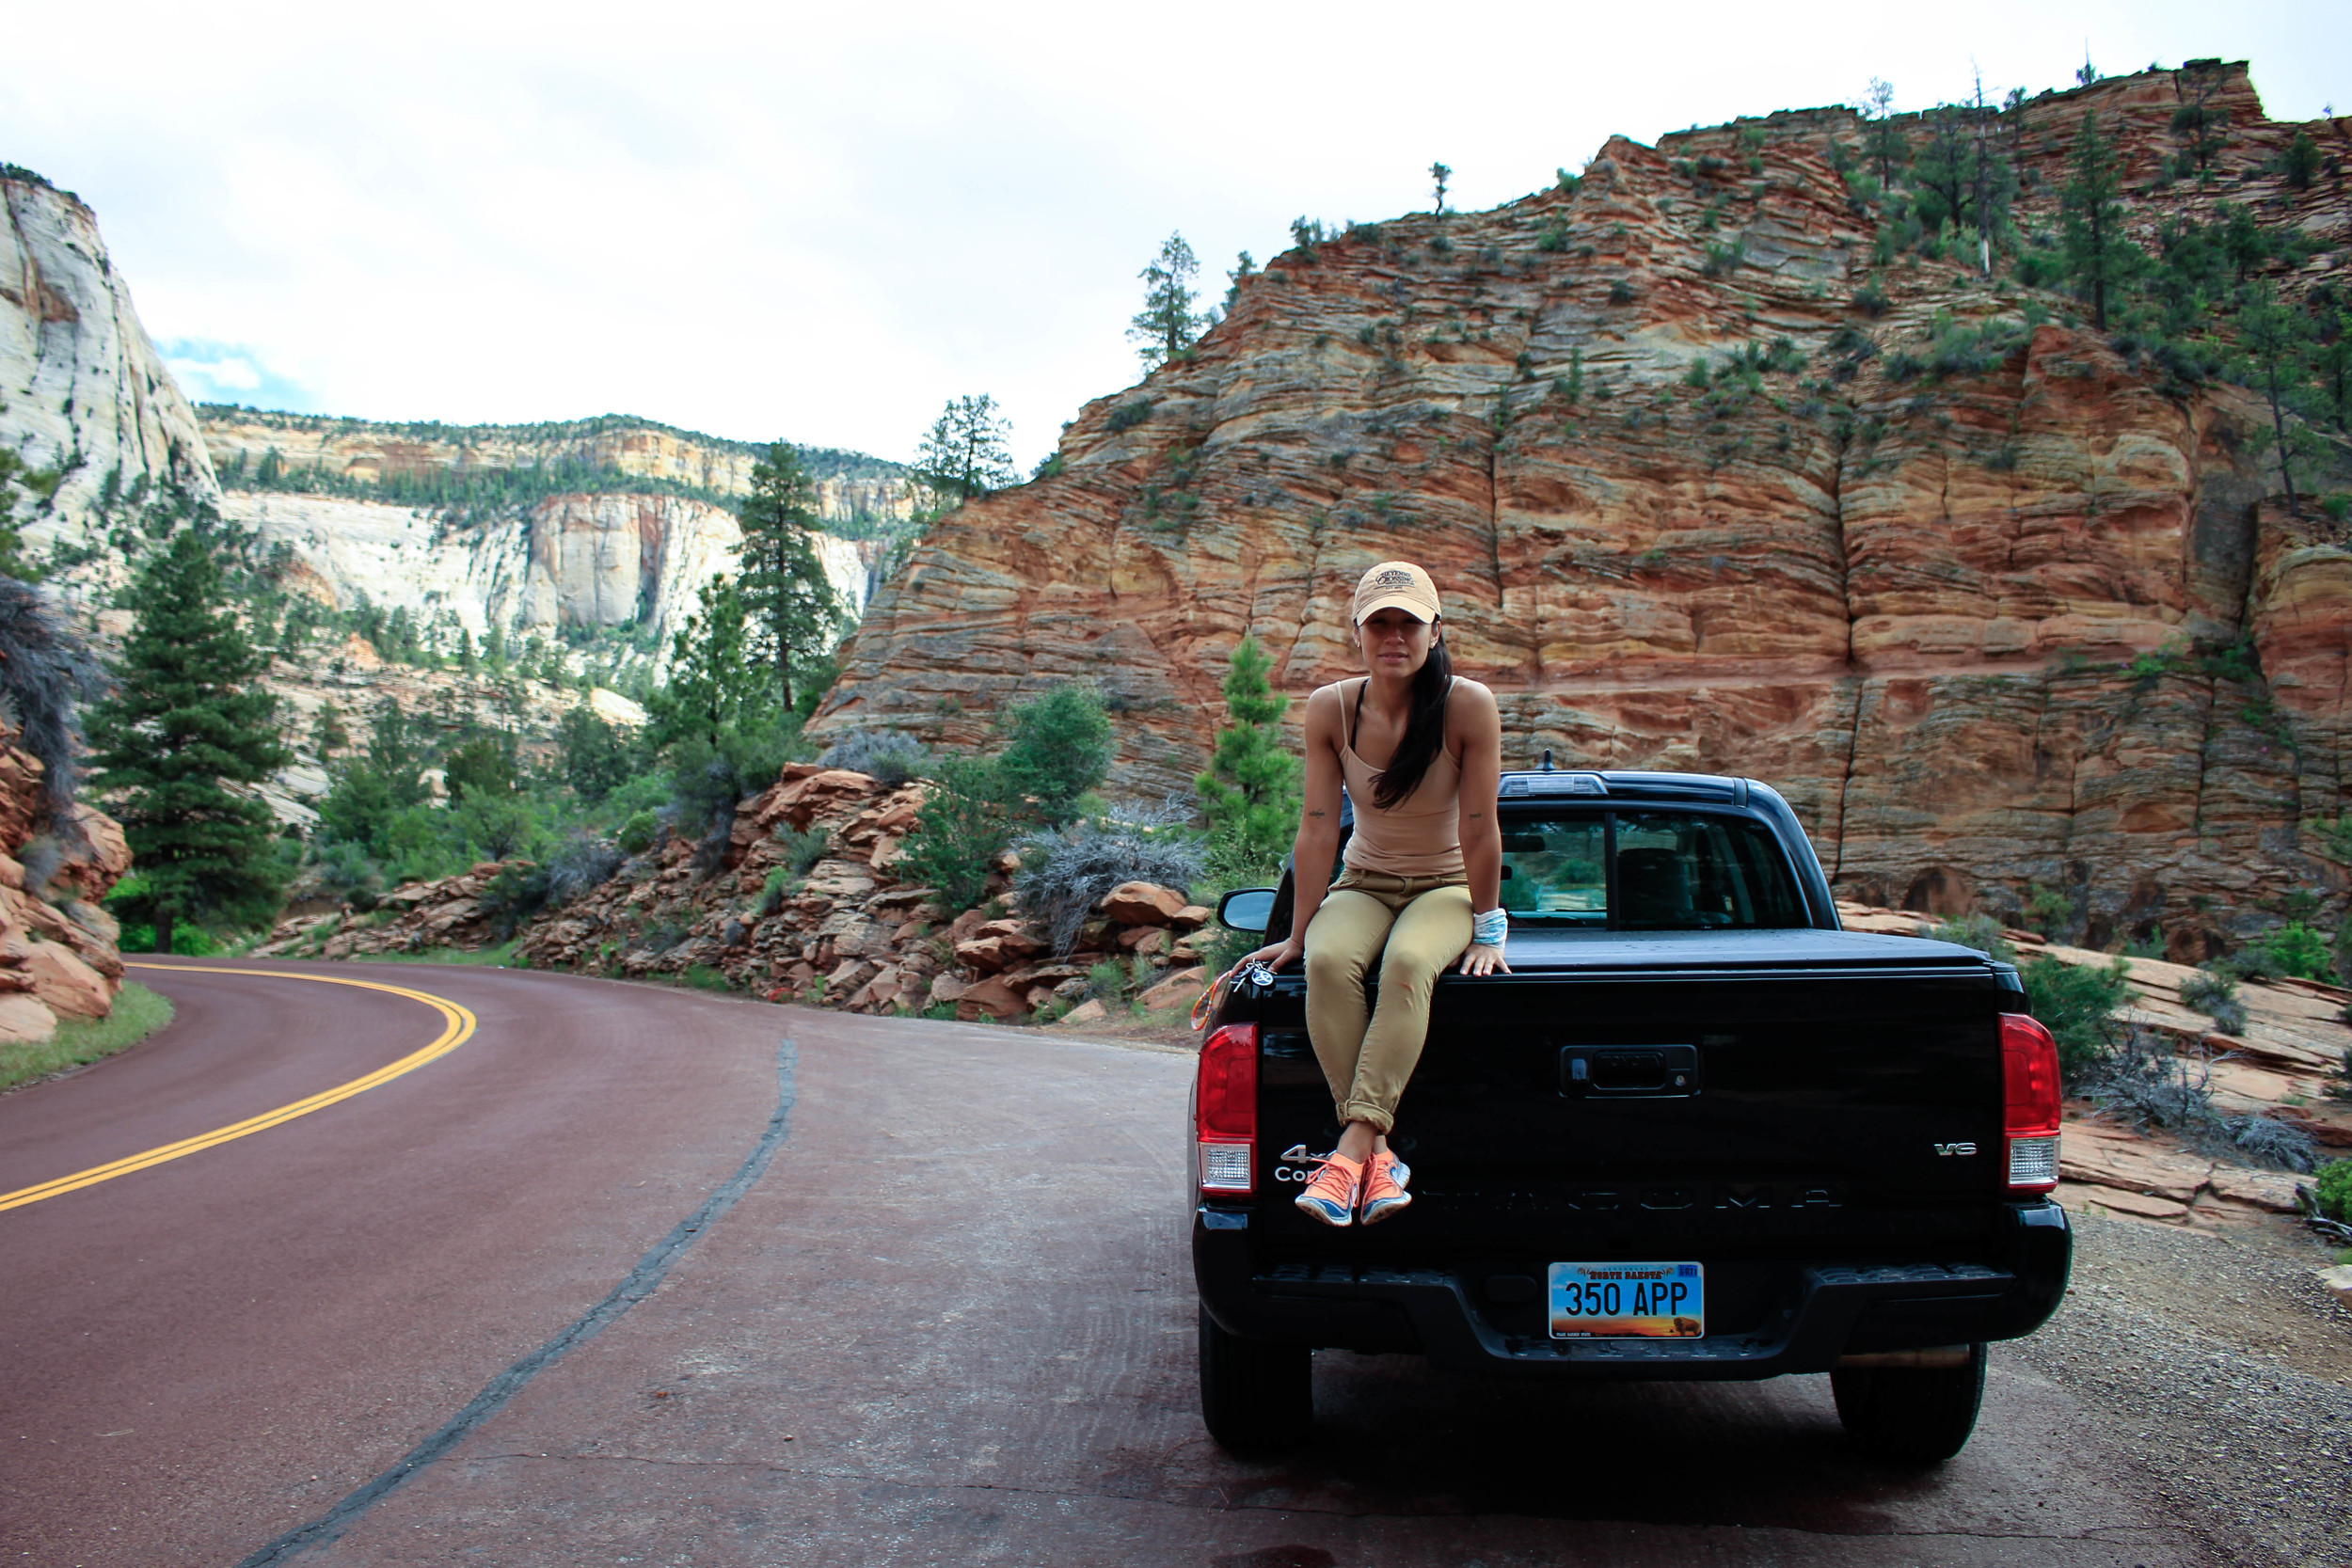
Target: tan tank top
(1423, 836)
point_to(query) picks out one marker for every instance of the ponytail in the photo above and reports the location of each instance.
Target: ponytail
(1424, 731)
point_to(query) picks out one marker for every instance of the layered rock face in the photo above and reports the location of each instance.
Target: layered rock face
(1976, 621)
(851, 487)
(83, 393)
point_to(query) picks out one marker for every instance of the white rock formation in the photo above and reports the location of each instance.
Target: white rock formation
(600, 559)
(82, 390)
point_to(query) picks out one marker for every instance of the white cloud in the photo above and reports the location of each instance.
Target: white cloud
(823, 222)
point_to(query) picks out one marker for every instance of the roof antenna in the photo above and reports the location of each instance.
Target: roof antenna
(1546, 759)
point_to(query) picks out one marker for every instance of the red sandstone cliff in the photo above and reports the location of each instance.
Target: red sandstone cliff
(57, 954)
(1914, 604)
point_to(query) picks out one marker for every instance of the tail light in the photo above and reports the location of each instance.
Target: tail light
(2029, 1109)
(1225, 1110)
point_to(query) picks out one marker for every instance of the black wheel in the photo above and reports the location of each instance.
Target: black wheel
(1912, 1415)
(1254, 1394)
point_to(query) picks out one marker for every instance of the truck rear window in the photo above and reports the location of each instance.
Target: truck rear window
(1674, 871)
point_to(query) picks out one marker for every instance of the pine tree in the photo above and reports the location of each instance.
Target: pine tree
(1250, 793)
(15, 476)
(963, 455)
(1887, 147)
(328, 733)
(2098, 255)
(2275, 335)
(785, 592)
(1165, 325)
(716, 684)
(187, 717)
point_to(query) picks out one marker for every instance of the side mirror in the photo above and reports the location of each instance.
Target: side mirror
(1245, 909)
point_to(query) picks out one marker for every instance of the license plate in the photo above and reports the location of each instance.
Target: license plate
(1628, 1301)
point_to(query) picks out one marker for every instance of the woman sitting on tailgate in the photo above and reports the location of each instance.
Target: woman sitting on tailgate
(1419, 889)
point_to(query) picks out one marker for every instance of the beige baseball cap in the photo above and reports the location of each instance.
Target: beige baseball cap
(1397, 583)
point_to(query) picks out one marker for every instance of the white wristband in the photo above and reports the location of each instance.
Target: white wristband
(1488, 930)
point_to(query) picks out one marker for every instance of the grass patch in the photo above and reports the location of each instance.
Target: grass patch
(501, 957)
(138, 1013)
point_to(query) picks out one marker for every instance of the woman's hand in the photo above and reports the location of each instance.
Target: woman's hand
(1281, 955)
(1481, 959)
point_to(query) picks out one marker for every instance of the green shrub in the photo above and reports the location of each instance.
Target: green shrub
(188, 942)
(2046, 912)
(1062, 749)
(962, 827)
(1871, 299)
(774, 890)
(1127, 415)
(2077, 1004)
(515, 894)
(2332, 1187)
(704, 978)
(638, 834)
(2296, 949)
(803, 847)
(2215, 996)
(1980, 931)
(1722, 260)
(890, 757)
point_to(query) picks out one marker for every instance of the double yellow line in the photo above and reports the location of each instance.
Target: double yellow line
(458, 1025)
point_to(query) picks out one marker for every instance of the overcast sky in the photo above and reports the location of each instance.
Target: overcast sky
(819, 222)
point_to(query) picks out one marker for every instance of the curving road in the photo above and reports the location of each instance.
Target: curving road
(946, 1320)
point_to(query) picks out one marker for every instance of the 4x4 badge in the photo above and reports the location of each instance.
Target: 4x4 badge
(1955, 1149)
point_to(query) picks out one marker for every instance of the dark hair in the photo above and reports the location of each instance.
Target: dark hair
(1424, 730)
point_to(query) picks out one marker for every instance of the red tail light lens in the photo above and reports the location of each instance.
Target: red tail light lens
(1225, 1110)
(2029, 1110)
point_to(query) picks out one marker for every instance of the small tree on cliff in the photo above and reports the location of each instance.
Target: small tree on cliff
(965, 455)
(2098, 255)
(1250, 793)
(2275, 337)
(786, 592)
(1885, 139)
(187, 717)
(1167, 324)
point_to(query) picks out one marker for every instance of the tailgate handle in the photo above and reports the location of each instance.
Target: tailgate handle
(1629, 1071)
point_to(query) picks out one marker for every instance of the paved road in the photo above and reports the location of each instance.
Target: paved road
(948, 1322)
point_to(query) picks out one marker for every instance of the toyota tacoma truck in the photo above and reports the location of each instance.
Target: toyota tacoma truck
(1698, 1130)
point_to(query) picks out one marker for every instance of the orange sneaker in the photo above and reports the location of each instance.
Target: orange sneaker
(1384, 1193)
(1330, 1193)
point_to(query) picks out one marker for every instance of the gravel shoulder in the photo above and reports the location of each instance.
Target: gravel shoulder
(2226, 1370)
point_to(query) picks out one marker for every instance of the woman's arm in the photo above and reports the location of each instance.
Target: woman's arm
(1472, 715)
(1318, 838)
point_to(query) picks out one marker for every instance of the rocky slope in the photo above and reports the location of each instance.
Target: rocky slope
(846, 932)
(1966, 621)
(58, 957)
(84, 396)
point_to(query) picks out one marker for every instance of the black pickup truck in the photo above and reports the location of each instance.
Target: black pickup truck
(1698, 1132)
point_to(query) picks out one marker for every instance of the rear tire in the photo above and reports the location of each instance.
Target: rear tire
(1255, 1394)
(1911, 1415)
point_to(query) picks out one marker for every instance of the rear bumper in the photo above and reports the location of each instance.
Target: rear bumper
(1837, 1309)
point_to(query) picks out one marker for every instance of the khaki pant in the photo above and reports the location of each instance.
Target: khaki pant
(1415, 925)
